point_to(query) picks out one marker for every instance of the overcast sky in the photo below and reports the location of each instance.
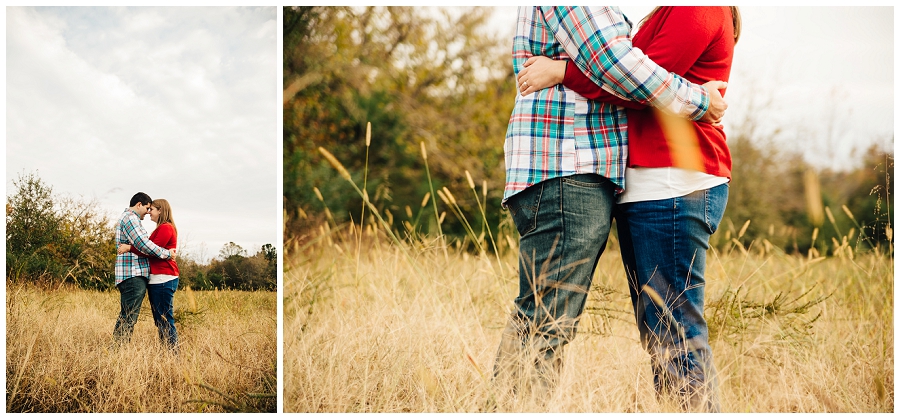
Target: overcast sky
(177, 102)
(820, 67)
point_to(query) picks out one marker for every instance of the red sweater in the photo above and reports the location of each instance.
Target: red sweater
(164, 236)
(696, 43)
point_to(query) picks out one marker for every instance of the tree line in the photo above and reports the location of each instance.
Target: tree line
(438, 89)
(55, 240)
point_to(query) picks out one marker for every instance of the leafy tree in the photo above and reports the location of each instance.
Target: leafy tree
(217, 280)
(418, 75)
(230, 250)
(31, 220)
(269, 252)
(56, 239)
(244, 273)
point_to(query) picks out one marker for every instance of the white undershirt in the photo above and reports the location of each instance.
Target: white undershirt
(655, 183)
(160, 278)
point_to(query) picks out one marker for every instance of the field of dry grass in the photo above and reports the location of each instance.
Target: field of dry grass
(405, 328)
(59, 356)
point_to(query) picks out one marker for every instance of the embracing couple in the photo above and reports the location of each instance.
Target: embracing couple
(606, 127)
(146, 265)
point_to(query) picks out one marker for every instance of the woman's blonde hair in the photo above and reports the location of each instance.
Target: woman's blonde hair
(165, 212)
(735, 19)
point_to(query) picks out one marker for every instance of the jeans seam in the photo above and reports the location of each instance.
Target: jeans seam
(678, 276)
(562, 239)
(537, 208)
(706, 209)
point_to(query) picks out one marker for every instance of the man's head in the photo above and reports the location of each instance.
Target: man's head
(140, 203)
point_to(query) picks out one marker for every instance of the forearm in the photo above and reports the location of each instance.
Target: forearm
(150, 249)
(143, 244)
(138, 252)
(581, 84)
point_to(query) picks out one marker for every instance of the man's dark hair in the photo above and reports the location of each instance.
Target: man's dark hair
(141, 197)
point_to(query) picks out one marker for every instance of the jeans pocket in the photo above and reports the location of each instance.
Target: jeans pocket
(716, 200)
(523, 207)
(586, 180)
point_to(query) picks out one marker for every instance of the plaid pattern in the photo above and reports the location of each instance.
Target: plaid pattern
(556, 132)
(130, 231)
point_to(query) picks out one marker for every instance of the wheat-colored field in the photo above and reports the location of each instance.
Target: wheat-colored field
(59, 356)
(377, 326)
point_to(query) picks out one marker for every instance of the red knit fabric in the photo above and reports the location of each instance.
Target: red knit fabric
(164, 236)
(694, 42)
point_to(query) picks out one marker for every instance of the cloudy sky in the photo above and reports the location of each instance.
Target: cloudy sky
(826, 74)
(177, 102)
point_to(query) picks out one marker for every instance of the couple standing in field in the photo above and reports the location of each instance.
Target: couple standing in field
(606, 127)
(146, 265)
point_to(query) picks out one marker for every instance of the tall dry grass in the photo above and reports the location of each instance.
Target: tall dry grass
(378, 318)
(59, 356)
(399, 327)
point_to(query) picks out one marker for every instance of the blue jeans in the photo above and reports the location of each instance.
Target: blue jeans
(131, 292)
(664, 245)
(161, 297)
(563, 225)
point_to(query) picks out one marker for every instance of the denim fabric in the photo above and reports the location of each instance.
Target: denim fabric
(131, 293)
(563, 225)
(664, 244)
(161, 297)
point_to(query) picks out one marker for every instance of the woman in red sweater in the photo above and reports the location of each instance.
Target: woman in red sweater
(163, 272)
(676, 189)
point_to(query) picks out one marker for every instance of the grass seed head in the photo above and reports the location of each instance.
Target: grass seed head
(443, 196)
(847, 211)
(471, 182)
(336, 164)
(744, 229)
(449, 195)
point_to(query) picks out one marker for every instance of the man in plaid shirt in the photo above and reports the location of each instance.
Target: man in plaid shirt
(565, 162)
(133, 271)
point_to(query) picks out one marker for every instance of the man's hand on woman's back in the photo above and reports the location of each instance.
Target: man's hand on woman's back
(717, 104)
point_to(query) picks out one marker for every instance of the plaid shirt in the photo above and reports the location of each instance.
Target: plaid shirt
(130, 231)
(556, 132)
